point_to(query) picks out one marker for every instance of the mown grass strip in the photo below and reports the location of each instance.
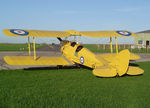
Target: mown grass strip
(73, 88)
(17, 47)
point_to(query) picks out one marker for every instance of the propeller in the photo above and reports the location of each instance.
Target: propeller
(62, 42)
(59, 39)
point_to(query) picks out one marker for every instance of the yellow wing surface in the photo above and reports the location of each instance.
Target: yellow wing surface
(109, 57)
(40, 33)
(34, 33)
(29, 60)
(107, 34)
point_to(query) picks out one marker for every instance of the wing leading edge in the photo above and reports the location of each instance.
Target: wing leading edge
(34, 33)
(29, 60)
(108, 34)
(40, 33)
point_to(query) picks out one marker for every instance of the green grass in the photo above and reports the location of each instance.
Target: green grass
(94, 48)
(91, 47)
(73, 88)
(17, 47)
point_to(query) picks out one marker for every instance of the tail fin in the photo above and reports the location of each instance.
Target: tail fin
(121, 62)
(118, 65)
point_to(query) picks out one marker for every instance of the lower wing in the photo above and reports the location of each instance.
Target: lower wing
(109, 57)
(29, 60)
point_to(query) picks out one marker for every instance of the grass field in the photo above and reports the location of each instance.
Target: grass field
(94, 48)
(91, 47)
(73, 88)
(17, 47)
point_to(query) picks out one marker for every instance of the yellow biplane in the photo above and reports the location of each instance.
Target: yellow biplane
(103, 65)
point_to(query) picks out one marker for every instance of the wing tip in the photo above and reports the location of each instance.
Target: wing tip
(5, 31)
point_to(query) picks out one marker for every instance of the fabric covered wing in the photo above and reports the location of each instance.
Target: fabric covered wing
(29, 60)
(107, 34)
(40, 33)
(135, 71)
(109, 57)
(34, 33)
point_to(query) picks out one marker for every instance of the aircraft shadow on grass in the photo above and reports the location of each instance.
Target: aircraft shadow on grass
(58, 67)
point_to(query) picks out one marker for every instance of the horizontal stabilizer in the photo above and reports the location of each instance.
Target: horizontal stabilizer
(29, 60)
(134, 56)
(105, 71)
(135, 71)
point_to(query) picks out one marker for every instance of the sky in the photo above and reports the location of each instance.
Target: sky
(82, 15)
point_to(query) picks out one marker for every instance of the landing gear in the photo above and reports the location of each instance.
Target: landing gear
(59, 66)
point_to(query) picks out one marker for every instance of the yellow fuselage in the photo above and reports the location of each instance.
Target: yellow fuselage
(76, 53)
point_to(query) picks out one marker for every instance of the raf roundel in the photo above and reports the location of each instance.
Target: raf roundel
(81, 59)
(124, 33)
(19, 32)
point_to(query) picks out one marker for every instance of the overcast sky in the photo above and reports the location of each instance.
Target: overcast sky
(132, 15)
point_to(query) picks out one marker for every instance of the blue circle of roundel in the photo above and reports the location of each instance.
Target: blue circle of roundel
(19, 32)
(124, 33)
(81, 59)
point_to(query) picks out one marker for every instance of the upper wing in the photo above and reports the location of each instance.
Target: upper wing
(34, 33)
(40, 33)
(107, 34)
(29, 60)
